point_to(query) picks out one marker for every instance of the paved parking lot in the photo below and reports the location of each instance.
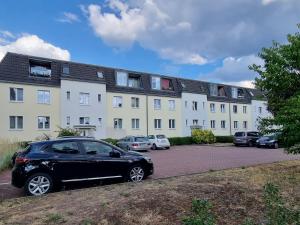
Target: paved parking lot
(182, 160)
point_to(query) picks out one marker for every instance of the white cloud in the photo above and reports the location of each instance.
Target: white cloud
(235, 71)
(33, 45)
(6, 34)
(193, 31)
(68, 17)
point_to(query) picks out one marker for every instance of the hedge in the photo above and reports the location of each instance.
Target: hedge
(224, 139)
(181, 141)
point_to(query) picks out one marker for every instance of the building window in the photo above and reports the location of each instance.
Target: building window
(186, 104)
(117, 101)
(260, 110)
(99, 74)
(166, 84)
(222, 107)
(100, 121)
(40, 69)
(195, 106)
(172, 124)
(43, 122)
(203, 105)
(244, 109)
(68, 95)
(157, 123)
(235, 108)
(235, 124)
(135, 123)
(203, 123)
(43, 97)
(171, 105)
(157, 104)
(84, 98)
(212, 107)
(84, 120)
(16, 94)
(16, 122)
(245, 124)
(234, 92)
(66, 69)
(217, 90)
(213, 124)
(99, 97)
(223, 124)
(135, 102)
(118, 123)
(134, 81)
(68, 119)
(122, 78)
(186, 123)
(240, 93)
(195, 122)
(155, 83)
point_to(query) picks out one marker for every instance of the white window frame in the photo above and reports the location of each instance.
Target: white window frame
(86, 120)
(212, 107)
(236, 125)
(195, 122)
(99, 98)
(172, 124)
(135, 123)
(45, 98)
(118, 123)
(186, 104)
(171, 105)
(245, 125)
(223, 124)
(156, 83)
(135, 102)
(16, 122)
(234, 92)
(44, 120)
(223, 108)
(84, 98)
(68, 95)
(121, 78)
(157, 124)
(68, 120)
(100, 121)
(213, 124)
(19, 97)
(233, 106)
(195, 106)
(260, 110)
(117, 101)
(157, 103)
(245, 109)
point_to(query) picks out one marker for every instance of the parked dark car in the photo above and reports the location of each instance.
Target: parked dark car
(246, 138)
(44, 165)
(269, 141)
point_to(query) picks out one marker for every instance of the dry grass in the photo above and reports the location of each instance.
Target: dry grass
(235, 194)
(7, 149)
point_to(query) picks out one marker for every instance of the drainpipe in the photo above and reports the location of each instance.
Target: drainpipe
(147, 115)
(230, 118)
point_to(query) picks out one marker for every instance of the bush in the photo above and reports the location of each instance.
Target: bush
(224, 139)
(181, 141)
(203, 136)
(111, 141)
(7, 150)
(65, 132)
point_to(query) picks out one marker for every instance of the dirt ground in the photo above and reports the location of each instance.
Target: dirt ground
(235, 194)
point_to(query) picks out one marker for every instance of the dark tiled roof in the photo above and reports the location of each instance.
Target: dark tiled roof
(192, 86)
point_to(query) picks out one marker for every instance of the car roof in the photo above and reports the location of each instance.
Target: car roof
(64, 139)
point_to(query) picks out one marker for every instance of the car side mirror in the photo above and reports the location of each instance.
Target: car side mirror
(115, 154)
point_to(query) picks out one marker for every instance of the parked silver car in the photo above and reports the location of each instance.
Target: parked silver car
(134, 143)
(159, 141)
(246, 138)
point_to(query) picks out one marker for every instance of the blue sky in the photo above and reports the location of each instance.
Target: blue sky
(197, 39)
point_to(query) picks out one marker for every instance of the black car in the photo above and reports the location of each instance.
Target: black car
(44, 165)
(269, 141)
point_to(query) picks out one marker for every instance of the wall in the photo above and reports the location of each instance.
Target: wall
(30, 110)
(255, 104)
(74, 110)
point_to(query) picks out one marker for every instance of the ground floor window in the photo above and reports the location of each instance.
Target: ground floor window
(223, 124)
(135, 123)
(195, 122)
(16, 122)
(43, 122)
(213, 124)
(117, 123)
(172, 124)
(157, 123)
(235, 124)
(245, 124)
(84, 120)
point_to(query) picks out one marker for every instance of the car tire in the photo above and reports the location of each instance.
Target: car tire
(38, 184)
(154, 147)
(167, 147)
(250, 144)
(236, 145)
(136, 173)
(276, 145)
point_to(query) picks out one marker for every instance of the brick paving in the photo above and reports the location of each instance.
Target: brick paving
(182, 160)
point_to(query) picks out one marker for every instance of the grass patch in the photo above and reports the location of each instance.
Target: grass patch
(7, 149)
(54, 218)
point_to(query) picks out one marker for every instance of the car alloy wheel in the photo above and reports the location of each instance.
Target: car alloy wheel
(39, 184)
(136, 174)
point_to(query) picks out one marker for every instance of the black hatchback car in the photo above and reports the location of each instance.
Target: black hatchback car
(44, 165)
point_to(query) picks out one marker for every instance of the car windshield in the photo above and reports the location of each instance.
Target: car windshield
(160, 136)
(255, 134)
(239, 134)
(140, 139)
(151, 137)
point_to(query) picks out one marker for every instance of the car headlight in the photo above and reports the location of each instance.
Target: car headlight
(148, 159)
(257, 141)
(272, 141)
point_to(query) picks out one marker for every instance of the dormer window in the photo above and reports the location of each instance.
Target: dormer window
(155, 83)
(128, 80)
(166, 84)
(241, 93)
(122, 78)
(134, 81)
(217, 90)
(237, 92)
(66, 69)
(99, 74)
(158, 83)
(40, 68)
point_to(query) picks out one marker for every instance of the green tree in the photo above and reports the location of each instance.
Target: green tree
(279, 80)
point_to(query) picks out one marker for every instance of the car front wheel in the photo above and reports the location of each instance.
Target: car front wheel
(38, 184)
(136, 173)
(276, 145)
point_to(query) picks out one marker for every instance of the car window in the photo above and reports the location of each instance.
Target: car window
(69, 147)
(93, 147)
(151, 137)
(239, 134)
(254, 134)
(140, 139)
(160, 136)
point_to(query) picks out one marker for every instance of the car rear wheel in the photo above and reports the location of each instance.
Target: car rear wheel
(250, 144)
(154, 147)
(136, 173)
(276, 145)
(38, 184)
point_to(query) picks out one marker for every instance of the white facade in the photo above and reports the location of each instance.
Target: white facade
(83, 107)
(259, 110)
(193, 112)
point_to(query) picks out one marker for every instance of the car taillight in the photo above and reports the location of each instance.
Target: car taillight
(135, 145)
(21, 160)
